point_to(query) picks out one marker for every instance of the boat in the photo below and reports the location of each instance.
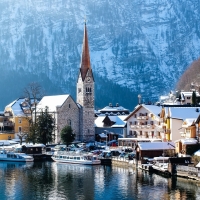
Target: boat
(14, 157)
(160, 164)
(75, 158)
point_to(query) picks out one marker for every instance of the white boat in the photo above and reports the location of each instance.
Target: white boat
(160, 164)
(15, 157)
(75, 158)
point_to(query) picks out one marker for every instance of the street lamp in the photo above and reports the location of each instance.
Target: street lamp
(139, 98)
(106, 136)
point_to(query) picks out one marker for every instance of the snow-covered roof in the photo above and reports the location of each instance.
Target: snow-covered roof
(189, 141)
(189, 93)
(198, 165)
(197, 153)
(16, 107)
(156, 145)
(119, 121)
(188, 122)
(151, 108)
(103, 135)
(183, 112)
(29, 145)
(52, 102)
(113, 108)
(7, 142)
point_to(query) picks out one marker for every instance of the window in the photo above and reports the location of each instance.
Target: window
(151, 122)
(20, 129)
(130, 123)
(69, 105)
(135, 115)
(135, 122)
(79, 90)
(69, 122)
(140, 132)
(130, 132)
(88, 130)
(20, 120)
(188, 97)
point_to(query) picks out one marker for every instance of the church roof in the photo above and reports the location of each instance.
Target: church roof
(85, 59)
(52, 102)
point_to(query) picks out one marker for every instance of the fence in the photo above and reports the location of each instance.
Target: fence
(187, 170)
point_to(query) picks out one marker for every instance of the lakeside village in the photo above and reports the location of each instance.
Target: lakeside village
(161, 138)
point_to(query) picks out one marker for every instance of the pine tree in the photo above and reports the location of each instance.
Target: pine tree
(194, 98)
(67, 135)
(45, 126)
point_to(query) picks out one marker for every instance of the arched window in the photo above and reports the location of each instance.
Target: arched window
(69, 122)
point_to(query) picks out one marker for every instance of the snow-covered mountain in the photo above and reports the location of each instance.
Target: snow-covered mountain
(137, 46)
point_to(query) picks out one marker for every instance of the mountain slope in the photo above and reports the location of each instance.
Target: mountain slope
(142, 46)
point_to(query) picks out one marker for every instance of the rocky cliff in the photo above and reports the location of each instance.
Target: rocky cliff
(137, 46)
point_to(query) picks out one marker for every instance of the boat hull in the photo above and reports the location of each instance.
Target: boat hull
(76, 159)
(77, 162)
(15, 157)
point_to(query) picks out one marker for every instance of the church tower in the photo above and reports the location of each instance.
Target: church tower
(85, 93)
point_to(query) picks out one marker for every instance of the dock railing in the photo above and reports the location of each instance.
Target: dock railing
(187, 171)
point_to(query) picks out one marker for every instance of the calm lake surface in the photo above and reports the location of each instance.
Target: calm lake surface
(50, 180)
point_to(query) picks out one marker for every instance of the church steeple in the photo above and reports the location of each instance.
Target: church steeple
(85, 59)
(85, 93)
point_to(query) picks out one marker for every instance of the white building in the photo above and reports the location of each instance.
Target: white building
(142, 121)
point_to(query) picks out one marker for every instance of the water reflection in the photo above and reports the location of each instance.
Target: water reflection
(50, 180)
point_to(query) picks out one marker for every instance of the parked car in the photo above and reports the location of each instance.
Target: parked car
(122, 155)
(112, 143)
(130, 156)
(59, 147)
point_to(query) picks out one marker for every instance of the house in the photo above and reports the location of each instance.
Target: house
(15, 119)
(179, 98)
(186, 97)
(113, 110)
(141, 123)
(188, 143)
(173, 118)
(112, 126)
(154, 149)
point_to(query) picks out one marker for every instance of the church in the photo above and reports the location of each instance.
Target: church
(80, 114)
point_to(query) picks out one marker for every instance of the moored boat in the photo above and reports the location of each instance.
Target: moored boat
(160, 164)
(76, 158)
(15, 157)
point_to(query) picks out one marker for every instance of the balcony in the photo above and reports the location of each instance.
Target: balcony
(143, 117)
(133, 126)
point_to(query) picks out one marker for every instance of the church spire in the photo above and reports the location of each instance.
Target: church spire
(85, 59)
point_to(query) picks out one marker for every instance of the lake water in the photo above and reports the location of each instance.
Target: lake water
(50, 180)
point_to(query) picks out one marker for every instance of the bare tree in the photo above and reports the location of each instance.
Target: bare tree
(32, 93)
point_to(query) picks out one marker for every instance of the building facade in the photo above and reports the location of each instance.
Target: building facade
(142, 122)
